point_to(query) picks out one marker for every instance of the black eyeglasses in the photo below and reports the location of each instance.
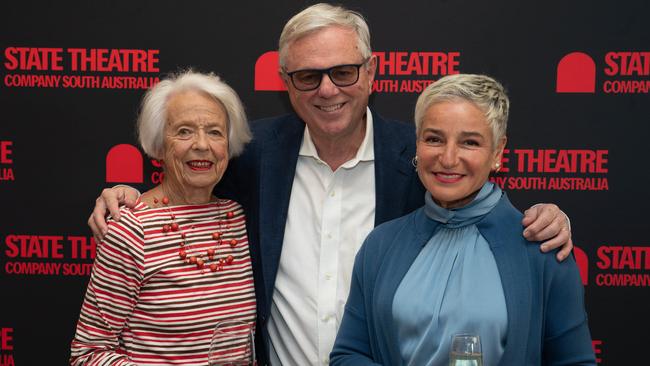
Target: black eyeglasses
(310, 79)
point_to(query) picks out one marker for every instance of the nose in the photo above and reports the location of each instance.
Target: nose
(201, 140)
(327, 88)
(449, 157)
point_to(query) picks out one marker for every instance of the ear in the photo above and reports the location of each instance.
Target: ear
(284, 77)
(498, 152)
(371, 70)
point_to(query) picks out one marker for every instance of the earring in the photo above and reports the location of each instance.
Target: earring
(497, 167)
(414, 162)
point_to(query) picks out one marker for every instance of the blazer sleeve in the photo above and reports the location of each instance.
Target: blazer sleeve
(567, 340)
(111, 296)
(352, 345)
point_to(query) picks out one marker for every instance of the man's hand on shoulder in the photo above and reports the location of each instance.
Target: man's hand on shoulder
(109, 202)
(545, 222)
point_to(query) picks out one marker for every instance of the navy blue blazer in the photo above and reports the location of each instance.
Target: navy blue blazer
(261, 180)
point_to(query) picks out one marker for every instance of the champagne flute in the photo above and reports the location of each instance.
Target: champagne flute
(232, 344)
(465, 350)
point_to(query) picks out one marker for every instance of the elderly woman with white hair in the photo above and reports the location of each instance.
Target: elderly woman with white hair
(460, 264)
(178, 263)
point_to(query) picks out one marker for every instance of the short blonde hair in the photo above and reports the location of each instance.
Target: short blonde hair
(153, 113)
(319, 16)
(481, 90)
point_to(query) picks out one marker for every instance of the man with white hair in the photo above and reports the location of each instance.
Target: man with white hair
(312, 194)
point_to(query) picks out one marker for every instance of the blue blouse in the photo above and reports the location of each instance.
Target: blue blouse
(452, 287)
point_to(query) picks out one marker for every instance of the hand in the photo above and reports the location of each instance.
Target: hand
(546, 222)
(110, 200)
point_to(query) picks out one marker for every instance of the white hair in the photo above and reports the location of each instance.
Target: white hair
(153, 113)
(319, 16)
(481, 90)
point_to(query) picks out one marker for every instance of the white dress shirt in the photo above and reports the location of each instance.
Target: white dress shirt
(330, 214)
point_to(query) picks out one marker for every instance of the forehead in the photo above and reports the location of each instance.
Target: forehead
(194, 106)
(323, 48)
(456, 115)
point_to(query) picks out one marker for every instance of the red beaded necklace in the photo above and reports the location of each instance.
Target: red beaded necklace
(199, 260)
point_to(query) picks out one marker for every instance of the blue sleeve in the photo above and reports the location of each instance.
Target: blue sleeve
(566, 333)
(352, 345)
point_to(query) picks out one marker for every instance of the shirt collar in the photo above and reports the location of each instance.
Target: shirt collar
(366, 151)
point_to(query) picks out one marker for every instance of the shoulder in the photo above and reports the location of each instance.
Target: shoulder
(131, 218)
(503, 223)
(229, 205)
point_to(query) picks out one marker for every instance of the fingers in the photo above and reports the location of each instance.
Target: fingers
(97, 221)
(111, 199)
(560, 240)
(130, 197)
(566, 251)
(542, 222)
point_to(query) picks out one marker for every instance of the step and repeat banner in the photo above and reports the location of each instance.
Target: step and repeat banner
(73, 73)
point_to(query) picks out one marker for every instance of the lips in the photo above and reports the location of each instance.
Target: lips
(330, 108)
(199, 165)
(448, 177)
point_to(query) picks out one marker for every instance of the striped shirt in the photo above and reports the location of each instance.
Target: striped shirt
(145, 305)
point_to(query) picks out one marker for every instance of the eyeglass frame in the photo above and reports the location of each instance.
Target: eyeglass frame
(327, 71)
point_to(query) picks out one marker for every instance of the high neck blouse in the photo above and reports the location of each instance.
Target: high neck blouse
(452, 287)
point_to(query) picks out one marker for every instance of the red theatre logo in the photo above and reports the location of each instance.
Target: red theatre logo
(48, 255)
(397, 71)
(622, 72)
(59, 67)
(583, 264)
(576, 73)
(623, 266)
(6, 161)
(267, 76)
(124, 164)
(553, 170)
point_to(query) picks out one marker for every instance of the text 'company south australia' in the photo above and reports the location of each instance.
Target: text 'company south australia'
(84, 68)
(553, 169)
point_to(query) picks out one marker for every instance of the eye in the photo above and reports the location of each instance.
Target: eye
(431, 139)
(215, 132)
(308, 77)
(184, 131)
(471, 142)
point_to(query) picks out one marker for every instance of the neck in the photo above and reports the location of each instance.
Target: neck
(336, 150)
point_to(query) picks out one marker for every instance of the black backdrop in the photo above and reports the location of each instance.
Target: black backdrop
(54, 140)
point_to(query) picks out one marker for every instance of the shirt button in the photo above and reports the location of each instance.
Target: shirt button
(328, 276)
(333, 193)
(329, 236)
(326, 361)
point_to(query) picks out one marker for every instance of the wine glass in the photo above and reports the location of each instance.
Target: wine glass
(465, 350)
(232, 344)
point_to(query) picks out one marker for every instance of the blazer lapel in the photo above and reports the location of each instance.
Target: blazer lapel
(393, 172)
(279, 156)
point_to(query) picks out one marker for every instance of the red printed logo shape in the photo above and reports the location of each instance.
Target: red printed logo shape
(267, 77)
(576, 73)
(124, 164)
(583, 264)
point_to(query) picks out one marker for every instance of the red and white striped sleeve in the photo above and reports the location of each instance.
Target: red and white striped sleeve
(112, 294)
